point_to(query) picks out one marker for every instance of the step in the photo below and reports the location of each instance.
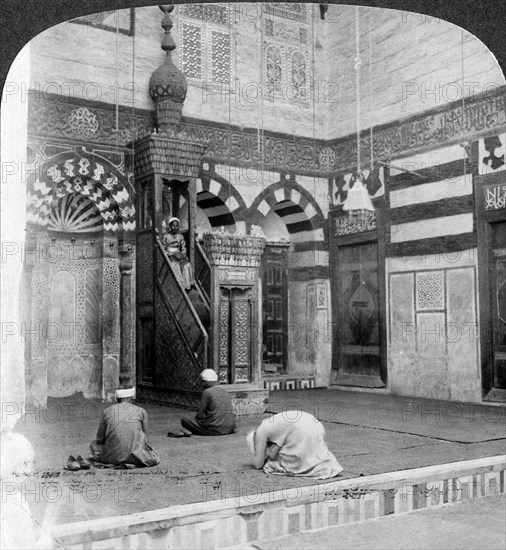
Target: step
(249, 516)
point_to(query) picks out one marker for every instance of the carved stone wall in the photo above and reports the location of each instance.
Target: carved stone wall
(74, 329)
(233, 145)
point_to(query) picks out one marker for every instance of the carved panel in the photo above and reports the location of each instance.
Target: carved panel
(274, 67)
(241, 329)
(214, 13)
(145, 267)
(224, 327)
(219, 55)
(49, 117)
(299, 75)
(430, 293)
(345, 226)
(191, 53)
(287, 10)
(176, 369)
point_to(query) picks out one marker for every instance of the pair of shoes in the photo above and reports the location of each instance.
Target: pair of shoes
(78, 463)
(72, 464)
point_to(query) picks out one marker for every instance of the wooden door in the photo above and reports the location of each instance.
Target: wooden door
(275, 309)
(498, 304)
(358, 315)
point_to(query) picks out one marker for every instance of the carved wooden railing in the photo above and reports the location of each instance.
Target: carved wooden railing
(202, 274)
(182, 341)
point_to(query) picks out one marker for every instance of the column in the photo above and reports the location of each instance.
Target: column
(127, 313)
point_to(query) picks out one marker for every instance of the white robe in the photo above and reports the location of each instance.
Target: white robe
(302, 449)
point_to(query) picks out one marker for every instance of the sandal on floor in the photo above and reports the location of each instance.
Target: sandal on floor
(72, 464)
(83, 463)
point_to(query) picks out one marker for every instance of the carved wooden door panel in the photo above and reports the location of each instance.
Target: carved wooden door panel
(235, 336)
(359, 320)
(498, 303)
(274, 309)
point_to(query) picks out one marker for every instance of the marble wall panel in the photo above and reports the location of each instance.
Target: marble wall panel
(462, 335)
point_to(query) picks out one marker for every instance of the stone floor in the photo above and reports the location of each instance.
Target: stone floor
(368, 432)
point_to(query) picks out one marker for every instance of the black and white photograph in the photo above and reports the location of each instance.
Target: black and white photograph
(253, 275)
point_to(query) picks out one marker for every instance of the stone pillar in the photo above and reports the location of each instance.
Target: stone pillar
(14, 124)
(127, 313)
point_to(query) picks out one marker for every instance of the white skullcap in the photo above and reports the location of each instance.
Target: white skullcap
(209, 375)
(174, 219)
(250, 440)
(123, 393)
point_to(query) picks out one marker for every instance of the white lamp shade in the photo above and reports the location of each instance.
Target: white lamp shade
(358, 198)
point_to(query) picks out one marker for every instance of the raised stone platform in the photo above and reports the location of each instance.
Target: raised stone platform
(254, 516)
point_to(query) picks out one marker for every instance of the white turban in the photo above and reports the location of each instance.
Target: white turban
(209, 375)
(123, 393)
(173, 219)
(250, 440)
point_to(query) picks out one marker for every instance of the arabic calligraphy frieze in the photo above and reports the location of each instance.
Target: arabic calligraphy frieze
(426, 130)
(232, 145)
(225, 146)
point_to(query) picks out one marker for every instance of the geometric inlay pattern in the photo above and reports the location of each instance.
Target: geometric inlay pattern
(70, 173)
(430, 291)
(83, 123)
(75, 213)
(191, 50)
(293, 11)
(327, 158)
(219, 61)
(213, 13)
(241, 333)
(224, 313)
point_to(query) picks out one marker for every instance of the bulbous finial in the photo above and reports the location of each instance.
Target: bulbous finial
(167, 85)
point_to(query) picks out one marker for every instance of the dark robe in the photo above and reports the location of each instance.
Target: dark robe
(122, 439)
(215, 416)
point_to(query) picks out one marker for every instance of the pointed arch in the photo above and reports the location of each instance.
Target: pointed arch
(288, 198)
(221, 202)
(89, 175)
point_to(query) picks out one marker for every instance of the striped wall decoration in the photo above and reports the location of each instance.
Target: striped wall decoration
(431, 203)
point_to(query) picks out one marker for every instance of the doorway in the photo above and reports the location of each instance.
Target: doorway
(275, 309)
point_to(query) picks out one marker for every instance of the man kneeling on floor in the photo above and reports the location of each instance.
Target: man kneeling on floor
(122, 435)
(216, 414)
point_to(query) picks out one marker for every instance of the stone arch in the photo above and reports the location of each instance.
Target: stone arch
(89, 175)
(221, 202)
(289, 195)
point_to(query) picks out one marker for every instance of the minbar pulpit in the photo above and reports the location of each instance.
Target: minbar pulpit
(216, 324)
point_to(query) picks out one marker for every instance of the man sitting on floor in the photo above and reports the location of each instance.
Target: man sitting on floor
(216, 414)
(122, 435)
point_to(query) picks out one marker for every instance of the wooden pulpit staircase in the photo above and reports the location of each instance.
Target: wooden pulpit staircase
(217, 324)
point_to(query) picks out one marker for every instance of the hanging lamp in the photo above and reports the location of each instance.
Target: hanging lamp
(358, 203)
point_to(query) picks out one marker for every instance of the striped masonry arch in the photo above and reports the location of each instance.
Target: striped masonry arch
(221, 203)
(292, 203)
